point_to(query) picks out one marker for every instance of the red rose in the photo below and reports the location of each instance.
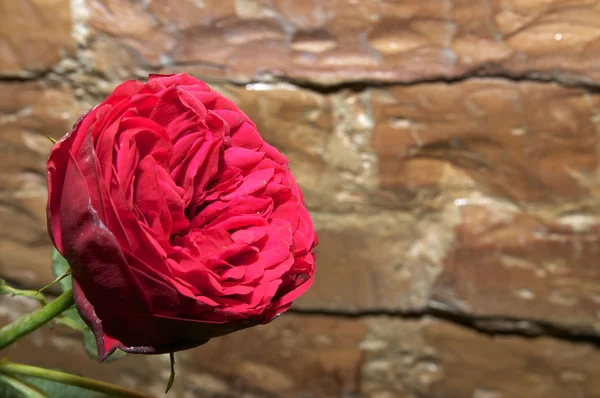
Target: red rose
(179, 222)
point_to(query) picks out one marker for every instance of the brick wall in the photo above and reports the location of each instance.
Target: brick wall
(448, 150)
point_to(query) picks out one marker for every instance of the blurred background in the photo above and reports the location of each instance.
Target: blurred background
(448, 151)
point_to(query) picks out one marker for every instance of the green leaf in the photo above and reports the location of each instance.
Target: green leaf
(14, 387)
(71, 321)
(70, 318)
(32, 387)
(54, 389)
(60, 269)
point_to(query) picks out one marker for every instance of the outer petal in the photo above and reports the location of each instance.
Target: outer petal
(56, 170)
(107, 344)
(93, 252)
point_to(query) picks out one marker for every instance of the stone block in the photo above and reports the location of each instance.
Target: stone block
(34, 36)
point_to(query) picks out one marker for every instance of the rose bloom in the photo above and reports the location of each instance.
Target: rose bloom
(179, 222)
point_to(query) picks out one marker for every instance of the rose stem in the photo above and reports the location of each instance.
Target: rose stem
(6, 289)
(27, 323)
(111, 390)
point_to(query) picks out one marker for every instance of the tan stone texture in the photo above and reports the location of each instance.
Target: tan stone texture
(448, 151)
(34, 35)
(430, 358)
(29, 112)
(520, 140)
(336, 41)
(514, 264)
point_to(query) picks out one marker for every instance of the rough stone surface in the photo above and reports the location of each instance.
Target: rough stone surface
(294, 356)
(29, 112)
(430, 358)
(522, 141)
(514, 264)
(382, 262)
(332, 41)
(520, 161)
(34, 35)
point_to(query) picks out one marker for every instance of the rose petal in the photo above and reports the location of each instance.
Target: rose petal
(177, 218)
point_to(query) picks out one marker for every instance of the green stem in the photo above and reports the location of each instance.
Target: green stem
(27, 323)
(6, 289)
(12, 368)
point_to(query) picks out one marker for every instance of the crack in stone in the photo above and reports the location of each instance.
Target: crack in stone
(490, 325)
(563, 79)
(29, 76)
(494, 72)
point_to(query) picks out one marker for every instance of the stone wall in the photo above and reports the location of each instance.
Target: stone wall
(449, 152)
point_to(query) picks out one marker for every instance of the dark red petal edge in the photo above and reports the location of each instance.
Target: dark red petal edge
(106, 344)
